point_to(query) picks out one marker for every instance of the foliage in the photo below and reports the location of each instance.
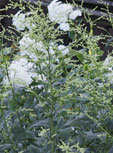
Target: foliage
(65, 106)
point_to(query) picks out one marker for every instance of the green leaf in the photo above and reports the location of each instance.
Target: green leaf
(61, 122)
(4, 147)
(71, 35)
(70, 122)
(41, 123)
(59, 81)
(65, 133)
(80, 56)
(85, 67)
(32, 149)
(111, 150)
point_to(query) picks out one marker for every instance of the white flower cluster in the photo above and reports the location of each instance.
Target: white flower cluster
(29, 46)
(21, 21)
(64, 26)
(64, 49)
(108, 65)
(73, 15)
(20, 73)
(60, 13)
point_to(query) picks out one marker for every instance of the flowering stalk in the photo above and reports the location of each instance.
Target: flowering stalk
(2, 110)
(14, 100)
(52, 107)
(7, 131)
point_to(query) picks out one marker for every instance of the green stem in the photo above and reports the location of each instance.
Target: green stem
(5, 121)
(52, 134)
(21, 125)
(14, 99)
(52, 108)
(8, 135)
(43, 79)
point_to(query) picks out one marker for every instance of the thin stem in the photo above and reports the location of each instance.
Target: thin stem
(52, 108)
(21, 125)
(8, 134)
(14, 99)
(3, 114)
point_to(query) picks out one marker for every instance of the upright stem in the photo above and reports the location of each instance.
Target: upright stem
(52, 108)
(5, 121)
(8, 134)
(14, 99)
(52, 134)
(21, 125)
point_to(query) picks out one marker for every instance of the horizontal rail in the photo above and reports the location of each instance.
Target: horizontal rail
(96, 2)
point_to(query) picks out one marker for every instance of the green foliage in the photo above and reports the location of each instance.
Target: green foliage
(72, 111)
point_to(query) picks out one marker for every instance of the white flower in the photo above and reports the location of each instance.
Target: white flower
(20, 73)
(64, 26)
(64, 49)
(27, 42)
(28, 47)
(108, 61)
(19, 21)
(51, 48)
(73, 15)
(51, 51)
(109, 77)
(31, 47)
(40, 47)
(108, 65)
(58, 12)
(22, 21)
(28, 24)
(30, 54)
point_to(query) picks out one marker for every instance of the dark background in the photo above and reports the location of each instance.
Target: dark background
(90, 4)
